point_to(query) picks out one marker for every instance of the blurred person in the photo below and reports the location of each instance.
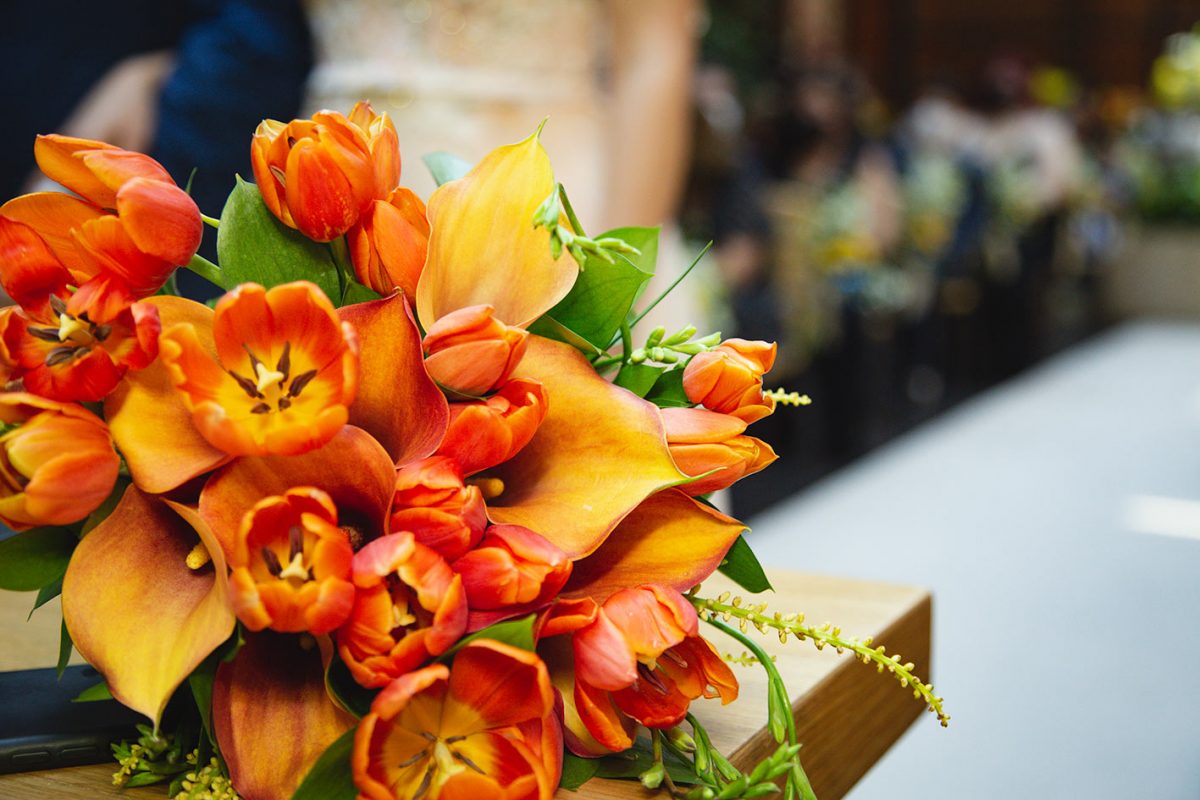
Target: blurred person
(186, 82)
(461, 77)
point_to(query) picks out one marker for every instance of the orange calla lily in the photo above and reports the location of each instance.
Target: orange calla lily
(460, 732)
(670, 540)
(484, 433)
(471, 352)
(483, 247)
(594, 435)
(389, 243)
(704, 441)
(286, 373)
(271, 714)
(57, 462)
(410, 607)
(135, 608)
(291, 566)
(320, 175)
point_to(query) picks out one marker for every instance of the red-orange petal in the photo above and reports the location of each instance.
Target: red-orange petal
(134, 608)
(31, 271)
(56, 156)
(161, 218)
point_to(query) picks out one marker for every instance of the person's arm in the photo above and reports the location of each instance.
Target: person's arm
(649, 120)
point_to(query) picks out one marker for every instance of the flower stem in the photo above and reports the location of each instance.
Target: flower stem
(671, 288)
(207, 270)
(211, 222)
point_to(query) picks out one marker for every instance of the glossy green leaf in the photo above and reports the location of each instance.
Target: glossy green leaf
(45, 595)
(254, 246)
(346, 691)
(330, 778)
(93, 693)
(65, 646)
(445, 167)
(577, 770)
(667, 391)
(549, 328)
(638, 378)
(516, 632)
(357, 293)
(743, 568)
(35, 558)
(604, 293)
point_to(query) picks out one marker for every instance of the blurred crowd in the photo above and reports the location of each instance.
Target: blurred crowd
(903, 258)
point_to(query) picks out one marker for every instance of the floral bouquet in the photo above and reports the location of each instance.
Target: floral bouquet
(409, 512)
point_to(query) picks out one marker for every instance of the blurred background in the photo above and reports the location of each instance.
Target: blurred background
(973, 228)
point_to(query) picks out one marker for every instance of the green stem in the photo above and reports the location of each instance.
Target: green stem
(211, 222)
(576, 225)
(797, 776)
(626, 341)
(207, 270)
(671, 288)
(343, 262)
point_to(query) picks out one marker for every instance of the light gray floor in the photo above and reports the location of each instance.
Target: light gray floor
(1066, 634)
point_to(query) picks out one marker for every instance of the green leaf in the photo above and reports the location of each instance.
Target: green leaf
(668, 392)
(65, 645)
(35, 558)
(604, 293)
(330, 778)
(742, 567)
(577, 770)
(94, 693)
(637, 759)
(201, 683)
(517, 632)
(638, 378)
(445, 167)
(357, 293)
(45, 595)
(346, 691)
(254, 246)
(549, 328)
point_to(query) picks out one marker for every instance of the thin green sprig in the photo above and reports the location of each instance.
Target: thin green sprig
(549, 215)
(206, 269)
(821, 636)
(679, 279)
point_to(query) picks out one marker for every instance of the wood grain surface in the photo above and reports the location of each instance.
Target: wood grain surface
(847, 715)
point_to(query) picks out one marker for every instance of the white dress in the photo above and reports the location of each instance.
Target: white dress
(465, 76)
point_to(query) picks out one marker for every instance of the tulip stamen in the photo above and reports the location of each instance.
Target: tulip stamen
(272, 561)
(425, 782)
(413, 759)
(464, 759)
(647, 673)
(279, 174)
(675, 658)
(45, 334)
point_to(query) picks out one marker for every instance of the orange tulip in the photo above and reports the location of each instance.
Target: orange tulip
(512, 569)
(434, 504)
(703, 441)
(291, 566)
(642, 658)
(488, 432)
(410, 607)
(285, 374)
(321, 175)
(728, 379)
(389, 243)
(462, 732)
(57, 462)
(155, 228)
(68, 346)
(471, 352)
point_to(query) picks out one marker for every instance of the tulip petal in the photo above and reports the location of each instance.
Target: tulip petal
(493, 685)
(483, 247)
(150, 423)
(53, 215)
(32, 272)
(272, 716)
(397, 401)
(135, 609)
(669, 540)
(161, 219)
(56, 156)
(598, 454)
(352, 469)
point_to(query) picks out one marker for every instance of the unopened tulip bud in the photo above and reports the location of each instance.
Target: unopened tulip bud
(728, 379)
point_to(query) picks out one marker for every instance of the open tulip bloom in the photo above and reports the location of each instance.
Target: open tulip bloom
(413, 511)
